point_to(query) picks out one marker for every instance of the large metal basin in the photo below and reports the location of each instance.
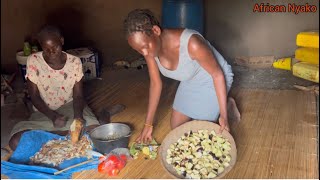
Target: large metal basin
(107, 137)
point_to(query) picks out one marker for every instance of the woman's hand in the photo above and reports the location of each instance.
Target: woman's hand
(146, 135)
(224, 124)
(58, 120)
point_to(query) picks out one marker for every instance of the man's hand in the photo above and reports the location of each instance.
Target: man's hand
(146, 135)
(224, 124)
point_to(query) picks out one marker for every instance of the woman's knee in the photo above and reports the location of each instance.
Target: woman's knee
(178, 119)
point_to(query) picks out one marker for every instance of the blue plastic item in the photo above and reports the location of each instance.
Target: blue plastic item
(31, 142)
(183, 14)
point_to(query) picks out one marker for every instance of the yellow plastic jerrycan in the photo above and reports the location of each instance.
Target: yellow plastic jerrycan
(308, 39)
(306, 71)
(310, 55)
(284, 63)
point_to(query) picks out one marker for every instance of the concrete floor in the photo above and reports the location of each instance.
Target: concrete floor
(269, 78)
(245, 78)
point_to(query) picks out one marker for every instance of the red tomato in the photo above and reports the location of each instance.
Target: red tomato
(112, 165)
(105, 166)
(120, 164)
(102, 168)
(113, 172)
(113, 159)
(123, 157)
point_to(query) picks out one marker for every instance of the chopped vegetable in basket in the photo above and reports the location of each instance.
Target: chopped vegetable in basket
(200, 154)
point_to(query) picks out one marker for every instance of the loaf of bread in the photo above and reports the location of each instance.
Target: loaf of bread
(75, 130)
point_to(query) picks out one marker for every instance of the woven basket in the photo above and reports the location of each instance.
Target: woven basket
(194, 125)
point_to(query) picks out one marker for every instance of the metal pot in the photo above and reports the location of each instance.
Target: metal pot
(107, 137)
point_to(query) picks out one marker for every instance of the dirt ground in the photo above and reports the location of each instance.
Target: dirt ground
(269, 78)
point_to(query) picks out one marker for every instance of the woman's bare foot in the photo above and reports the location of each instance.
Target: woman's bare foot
(233, 111)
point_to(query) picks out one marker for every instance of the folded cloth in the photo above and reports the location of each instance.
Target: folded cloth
(30, 143)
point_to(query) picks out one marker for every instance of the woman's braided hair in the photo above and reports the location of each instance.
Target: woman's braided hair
(140, 20)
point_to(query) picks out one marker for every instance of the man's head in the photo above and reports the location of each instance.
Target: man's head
(142, 31)
(51, 42)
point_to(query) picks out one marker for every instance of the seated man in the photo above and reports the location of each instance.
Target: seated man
(54, 81)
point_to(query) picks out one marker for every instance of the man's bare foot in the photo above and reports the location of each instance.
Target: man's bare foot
(104, 116)
(233, 111)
